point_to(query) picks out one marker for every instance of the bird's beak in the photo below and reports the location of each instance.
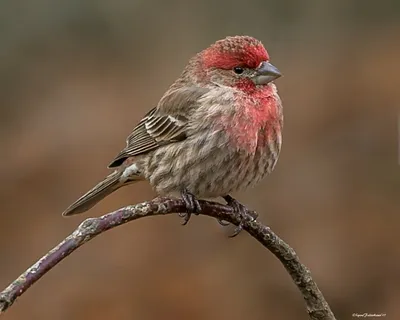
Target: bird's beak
(266, 73)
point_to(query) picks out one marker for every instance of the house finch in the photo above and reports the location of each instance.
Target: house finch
(217, 129)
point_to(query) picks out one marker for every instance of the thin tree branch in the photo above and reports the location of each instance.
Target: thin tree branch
(317, 307)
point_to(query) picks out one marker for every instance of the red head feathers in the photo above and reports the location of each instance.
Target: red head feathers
(243, 51)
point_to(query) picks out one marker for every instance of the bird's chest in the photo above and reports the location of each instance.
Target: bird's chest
(253, 127)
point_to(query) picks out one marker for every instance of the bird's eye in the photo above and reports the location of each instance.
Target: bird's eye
(238, 70)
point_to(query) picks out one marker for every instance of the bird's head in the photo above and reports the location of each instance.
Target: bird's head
(241, 62)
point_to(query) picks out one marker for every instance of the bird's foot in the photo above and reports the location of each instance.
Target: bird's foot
(242, 211)
(192, 206)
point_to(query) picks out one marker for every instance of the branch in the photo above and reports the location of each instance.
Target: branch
(317, 307)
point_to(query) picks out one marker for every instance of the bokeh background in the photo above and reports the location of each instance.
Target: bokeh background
(76, 76)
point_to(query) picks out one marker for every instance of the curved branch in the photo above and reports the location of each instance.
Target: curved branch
(317, 307)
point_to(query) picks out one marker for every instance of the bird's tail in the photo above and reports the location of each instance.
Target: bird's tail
(94, 195)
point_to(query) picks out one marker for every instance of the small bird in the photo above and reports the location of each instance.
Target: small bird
(217, 129)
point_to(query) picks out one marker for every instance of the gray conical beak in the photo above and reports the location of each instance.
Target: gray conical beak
(266, 73)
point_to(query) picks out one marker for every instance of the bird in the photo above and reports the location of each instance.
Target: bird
(215, 131)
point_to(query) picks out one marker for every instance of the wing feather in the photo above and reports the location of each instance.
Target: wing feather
(162, 125)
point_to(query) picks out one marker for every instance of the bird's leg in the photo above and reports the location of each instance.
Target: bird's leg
(192, 206)
(241, 210)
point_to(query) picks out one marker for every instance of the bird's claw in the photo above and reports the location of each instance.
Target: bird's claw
(192, 206)
(242, 211)
(223, 222)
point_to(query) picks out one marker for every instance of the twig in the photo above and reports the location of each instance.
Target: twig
(317, 307)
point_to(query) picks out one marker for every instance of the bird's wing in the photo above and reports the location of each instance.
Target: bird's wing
(164, 124)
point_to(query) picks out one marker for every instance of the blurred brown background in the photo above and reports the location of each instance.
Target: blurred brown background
(76, 76)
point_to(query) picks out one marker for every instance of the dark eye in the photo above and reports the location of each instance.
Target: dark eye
(238, 70)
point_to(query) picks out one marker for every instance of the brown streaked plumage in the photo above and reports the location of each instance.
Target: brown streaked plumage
(215, 131)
